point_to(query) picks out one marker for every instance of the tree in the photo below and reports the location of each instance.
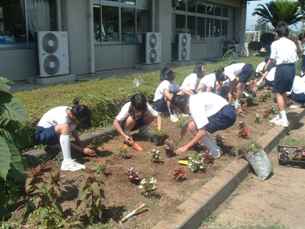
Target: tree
(279, 10)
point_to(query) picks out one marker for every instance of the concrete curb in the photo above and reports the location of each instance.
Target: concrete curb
(204, 201)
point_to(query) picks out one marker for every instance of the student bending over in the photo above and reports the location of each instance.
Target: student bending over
(212, 82)
(209, 113)
(191, 82)
(58, 125)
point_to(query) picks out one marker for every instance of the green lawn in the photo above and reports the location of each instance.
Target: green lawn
(104, 96)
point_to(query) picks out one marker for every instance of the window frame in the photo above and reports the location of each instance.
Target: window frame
(120, 5)
(208, 19)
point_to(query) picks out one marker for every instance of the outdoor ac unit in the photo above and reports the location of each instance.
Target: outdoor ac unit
(53, 53)
(153, 48)
(184, 46)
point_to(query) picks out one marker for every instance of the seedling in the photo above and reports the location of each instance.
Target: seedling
(183, 121)
(155, 156)
(244, 131)
(148, 186)
(169, 148)
(123, 152)
(179, 174)
(196, 162)
(257, 118)
(133, 176)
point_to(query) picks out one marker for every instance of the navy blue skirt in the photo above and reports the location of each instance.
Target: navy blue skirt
(299, 98)
(46, 136)
(284, 77)
(246, 73)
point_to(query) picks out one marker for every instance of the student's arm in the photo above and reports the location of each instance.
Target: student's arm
(119, 129)
(199, 136)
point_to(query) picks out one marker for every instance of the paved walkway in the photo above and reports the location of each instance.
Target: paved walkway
(276, 203)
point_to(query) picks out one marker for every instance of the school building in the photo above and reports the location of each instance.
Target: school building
(112, 34)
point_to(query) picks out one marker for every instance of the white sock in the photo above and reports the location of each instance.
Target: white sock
(283, 115)
(65, 145)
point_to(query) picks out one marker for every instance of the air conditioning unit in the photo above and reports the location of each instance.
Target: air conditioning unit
(153, 48)
(53, 53)
(184, 46)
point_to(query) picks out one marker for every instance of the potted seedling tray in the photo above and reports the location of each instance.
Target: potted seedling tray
(291, 156)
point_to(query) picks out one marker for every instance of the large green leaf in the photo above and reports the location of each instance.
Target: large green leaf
(5, 157)
(11, 110)
(4, 85)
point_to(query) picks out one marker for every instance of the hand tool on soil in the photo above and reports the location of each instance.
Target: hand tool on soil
(142, 208)
(134, 146)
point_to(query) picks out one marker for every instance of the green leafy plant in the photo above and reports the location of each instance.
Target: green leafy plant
(148, 186)
(43, 204)
(156, 156)
(90, 201)
(196, 162)
(123, 152)
(12, 139)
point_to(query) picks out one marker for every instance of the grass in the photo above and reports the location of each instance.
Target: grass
(104, 96)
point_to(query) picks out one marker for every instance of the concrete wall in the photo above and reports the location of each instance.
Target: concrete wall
(18, 64)
(76, 22)
(209, 49)
(117, 56)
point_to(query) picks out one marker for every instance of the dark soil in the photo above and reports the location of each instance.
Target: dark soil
(122, 196)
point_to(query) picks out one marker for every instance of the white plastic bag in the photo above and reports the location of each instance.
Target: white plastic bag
(260, 163)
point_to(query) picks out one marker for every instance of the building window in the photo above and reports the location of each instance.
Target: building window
(123, 21)
(203, 19)
(128, 25)
(12, 22)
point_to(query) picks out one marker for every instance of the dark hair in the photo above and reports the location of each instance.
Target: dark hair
(198, 70)
(220, 76)
(169, 75)
(82, 113)
(166, 68)
(138, 103)
(181, 102)
(301, 36)
(282, 29)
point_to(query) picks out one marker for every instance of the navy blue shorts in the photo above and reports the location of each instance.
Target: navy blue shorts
(284, 77)
(299, 98)
(161, 106)
(246, 73)
(303, 64)
(46, 136)
(269, 83)
(223, 119)
(139, 123)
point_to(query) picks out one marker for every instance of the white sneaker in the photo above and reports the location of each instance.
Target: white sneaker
(71, 165)
(174, 118)
(295, 106)
(275, 119)
(282, 122)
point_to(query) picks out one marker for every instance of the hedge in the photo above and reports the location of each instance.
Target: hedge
(103, 96)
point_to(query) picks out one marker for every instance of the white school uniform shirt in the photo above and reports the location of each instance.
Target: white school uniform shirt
(163, 86)
(204, 105)
(208, 81)
(55, 116)
(284, 51)
(298, 86)
(271, 74)
(124, 113)
(190, 82)
(260, 67)
(233, 70)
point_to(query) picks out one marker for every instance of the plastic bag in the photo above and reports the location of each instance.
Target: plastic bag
(260, 163)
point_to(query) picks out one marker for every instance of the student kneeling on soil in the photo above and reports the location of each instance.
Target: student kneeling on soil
(58, 124)
(164, 94)
(209, 113)
(191, 82)
(212, 82)
(239, 74)
(136, 114)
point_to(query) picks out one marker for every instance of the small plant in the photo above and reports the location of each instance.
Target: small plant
(196, 162)
(89, 206)
(158, 137)
(148, 186)
(179, 174)
(257, 118)
(133, 176)
(155, 156)
(123, 152)
(244, 131)
(169, 148)
(183, 121)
